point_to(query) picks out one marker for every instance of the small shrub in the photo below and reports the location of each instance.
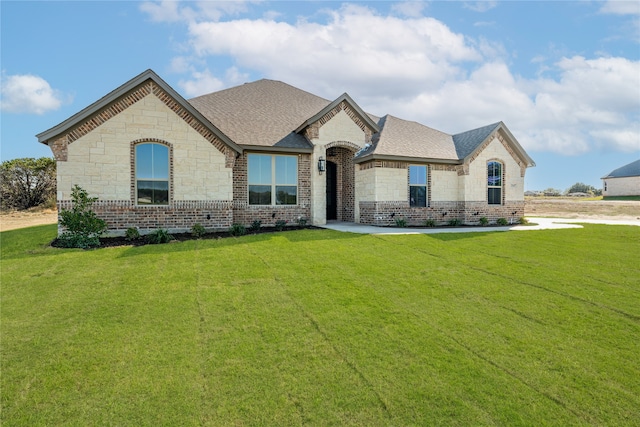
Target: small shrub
(70, 240)
(281, 224)
(454, 222)
(502, 221)
(302, 222)
(401, 222)
(484, 221)
(430, 223)
(83, 227)
(237, 230)
(160, 236)
(132, 233)
(255, 226)
(523, 220)
(197, 230)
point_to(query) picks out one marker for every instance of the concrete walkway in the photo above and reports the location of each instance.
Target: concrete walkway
(541, 224)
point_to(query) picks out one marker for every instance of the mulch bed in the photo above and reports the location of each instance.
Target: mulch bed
(112, 242)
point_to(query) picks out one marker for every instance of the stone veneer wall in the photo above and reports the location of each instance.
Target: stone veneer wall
(177, 217)
(245, 214)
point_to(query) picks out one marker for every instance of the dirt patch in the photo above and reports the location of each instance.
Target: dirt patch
(21, 219)
(577, 208)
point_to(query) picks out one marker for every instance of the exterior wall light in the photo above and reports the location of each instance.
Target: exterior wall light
(322, 164)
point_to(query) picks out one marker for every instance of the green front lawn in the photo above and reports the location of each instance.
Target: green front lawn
(324, 328)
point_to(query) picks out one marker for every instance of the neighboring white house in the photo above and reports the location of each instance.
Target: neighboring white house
(624, 181)
(271, 152)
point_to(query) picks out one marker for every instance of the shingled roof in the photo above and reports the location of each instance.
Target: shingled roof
(632, 169)
(262, 113)
(269, 114)
(467, 142)
(402, 138)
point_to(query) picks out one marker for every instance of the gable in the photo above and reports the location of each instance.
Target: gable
(501, 134)
(344, 103)
(148, 83)
(341, 127)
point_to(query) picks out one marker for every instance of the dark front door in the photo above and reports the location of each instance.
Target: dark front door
(332, 194)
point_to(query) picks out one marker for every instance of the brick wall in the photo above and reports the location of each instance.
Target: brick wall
(177, 217)
(386, 213)
(345, 179)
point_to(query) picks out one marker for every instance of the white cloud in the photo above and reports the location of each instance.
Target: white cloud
(203, 82)
(356, 48)
(26, 93)
(417, 68)
(175, 11)
(411, 9)
(481, 6)
(624, 7)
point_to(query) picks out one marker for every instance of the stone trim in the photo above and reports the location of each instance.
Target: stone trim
(132, 162)
(149, 87)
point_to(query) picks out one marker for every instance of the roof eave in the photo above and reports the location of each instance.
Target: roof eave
(410, 159)
(344, 97)
(272, 148)
(103, 102)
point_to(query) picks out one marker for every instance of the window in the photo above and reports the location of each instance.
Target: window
(494, 183)
(273, 180)
(418, 186)
(152, 174)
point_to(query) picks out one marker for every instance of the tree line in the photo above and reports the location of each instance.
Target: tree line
(578, 187)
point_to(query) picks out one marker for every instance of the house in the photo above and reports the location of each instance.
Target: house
(268, 151)
(624, 181)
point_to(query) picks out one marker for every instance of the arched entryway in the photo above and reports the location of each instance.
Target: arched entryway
(340, 176)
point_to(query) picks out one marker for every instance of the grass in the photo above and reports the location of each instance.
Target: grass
(324, 328)
(632, 198)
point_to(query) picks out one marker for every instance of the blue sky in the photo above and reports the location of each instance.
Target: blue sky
(564, 76)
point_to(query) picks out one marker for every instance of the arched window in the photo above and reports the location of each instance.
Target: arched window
(494, 183)
(152, 174)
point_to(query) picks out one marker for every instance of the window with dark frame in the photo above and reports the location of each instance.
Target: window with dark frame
(272, 179)
(418, 186)
(494, 183)
(152, 174)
